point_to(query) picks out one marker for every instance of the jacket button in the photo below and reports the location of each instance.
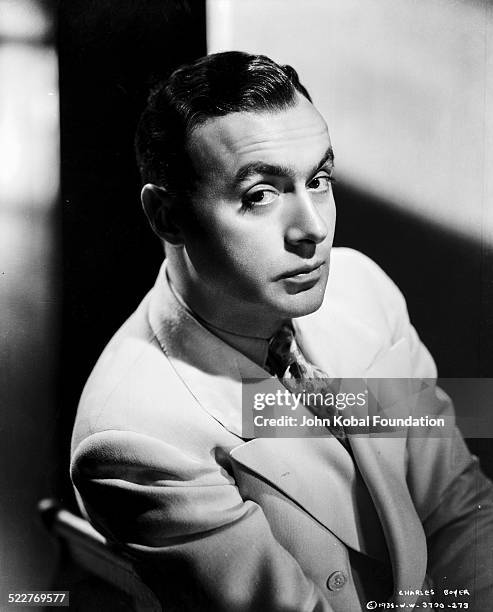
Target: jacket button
(336, 581)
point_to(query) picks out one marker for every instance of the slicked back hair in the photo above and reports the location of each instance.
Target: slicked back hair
(212, 86)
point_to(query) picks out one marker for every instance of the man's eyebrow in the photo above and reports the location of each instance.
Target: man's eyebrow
(258, 167)
(328, 157)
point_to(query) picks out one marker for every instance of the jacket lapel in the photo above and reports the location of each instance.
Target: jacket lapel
(299, 468)
(382, 465)
(381, 461)
(207, 365)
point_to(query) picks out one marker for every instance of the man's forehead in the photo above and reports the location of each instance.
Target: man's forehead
(298, 134)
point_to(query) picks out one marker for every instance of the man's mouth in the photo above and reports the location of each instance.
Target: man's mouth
(305, 273)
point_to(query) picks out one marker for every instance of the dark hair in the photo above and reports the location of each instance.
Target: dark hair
(212, 86)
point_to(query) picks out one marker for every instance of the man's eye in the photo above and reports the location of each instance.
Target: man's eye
(320, 184)
(260, 197)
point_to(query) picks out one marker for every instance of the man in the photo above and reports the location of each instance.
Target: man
(237, 165)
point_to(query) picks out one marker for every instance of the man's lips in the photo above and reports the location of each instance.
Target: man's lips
(304, 272)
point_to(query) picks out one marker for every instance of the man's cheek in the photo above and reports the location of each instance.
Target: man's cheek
(251, 264)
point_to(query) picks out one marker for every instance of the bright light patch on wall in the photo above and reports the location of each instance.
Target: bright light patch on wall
(29, 178)
(219, 26)
(22, 19)
(29, 158)
(406, 88)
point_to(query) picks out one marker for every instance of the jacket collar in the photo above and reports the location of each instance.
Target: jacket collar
(211, 369)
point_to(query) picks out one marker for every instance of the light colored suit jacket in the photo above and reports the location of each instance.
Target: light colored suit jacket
(220, 522)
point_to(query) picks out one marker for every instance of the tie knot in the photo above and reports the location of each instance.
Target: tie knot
(286, 361)
(283, 350)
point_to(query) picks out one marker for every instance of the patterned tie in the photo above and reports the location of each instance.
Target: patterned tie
(286, 361)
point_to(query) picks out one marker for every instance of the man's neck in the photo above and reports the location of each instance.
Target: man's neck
(222, 312)
(254, 348)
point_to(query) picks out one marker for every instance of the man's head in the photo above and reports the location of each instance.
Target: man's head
(237, 164)
(213, 86)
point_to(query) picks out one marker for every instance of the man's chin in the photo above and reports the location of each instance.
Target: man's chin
(302, 304)
(304, 301)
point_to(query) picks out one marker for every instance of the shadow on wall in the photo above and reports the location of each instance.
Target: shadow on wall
(447, 281)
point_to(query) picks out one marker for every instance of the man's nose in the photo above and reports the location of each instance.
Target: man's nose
(306, 222)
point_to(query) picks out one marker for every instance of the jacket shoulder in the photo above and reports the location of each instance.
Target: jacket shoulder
(359, 288)
(132, 387)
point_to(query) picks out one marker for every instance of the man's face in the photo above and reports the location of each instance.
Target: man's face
(263, 212)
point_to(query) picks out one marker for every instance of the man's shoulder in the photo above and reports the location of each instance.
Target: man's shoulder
(359, 288)
(350, 268)
(365, 322)
(129, 383)
(362, 327)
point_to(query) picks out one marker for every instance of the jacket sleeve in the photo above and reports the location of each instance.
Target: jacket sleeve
(455, 502)
(452, 496)
(185, 522)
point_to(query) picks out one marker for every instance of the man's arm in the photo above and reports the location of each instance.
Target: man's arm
(452, 497)
(188, 521)
(455, 502)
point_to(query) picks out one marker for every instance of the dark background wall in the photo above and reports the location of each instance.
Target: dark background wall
(110, 54)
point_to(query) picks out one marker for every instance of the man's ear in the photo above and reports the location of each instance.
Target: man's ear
(160, 209)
